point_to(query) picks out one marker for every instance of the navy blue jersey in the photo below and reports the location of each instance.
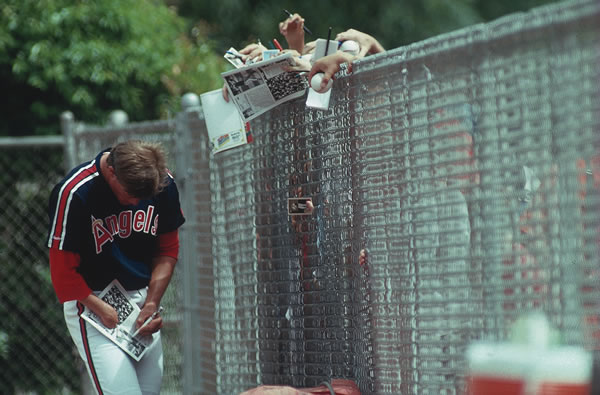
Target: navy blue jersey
(114, 241)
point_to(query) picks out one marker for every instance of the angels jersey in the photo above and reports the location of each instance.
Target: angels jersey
(113, 241)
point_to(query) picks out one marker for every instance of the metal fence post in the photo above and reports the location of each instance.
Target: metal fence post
(193, 164)
(67, 126)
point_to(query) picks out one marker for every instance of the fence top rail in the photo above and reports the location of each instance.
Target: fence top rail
(158, 126)
(32, 141)
(512, 24)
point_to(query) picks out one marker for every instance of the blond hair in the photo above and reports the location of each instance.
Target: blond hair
(140, 167)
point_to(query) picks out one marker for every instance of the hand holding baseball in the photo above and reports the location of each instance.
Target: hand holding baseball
(318, 84)
(368, 44)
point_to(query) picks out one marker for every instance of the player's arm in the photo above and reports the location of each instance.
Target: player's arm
(163, 266)
(106, 312)
(70, 285)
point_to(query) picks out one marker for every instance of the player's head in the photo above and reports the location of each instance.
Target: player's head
(140, 167)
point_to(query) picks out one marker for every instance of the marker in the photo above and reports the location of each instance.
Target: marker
(327, 43)
(153, 316)
(279, 47)
(289, 14)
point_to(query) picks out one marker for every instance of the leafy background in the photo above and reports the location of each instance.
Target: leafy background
(92, 57)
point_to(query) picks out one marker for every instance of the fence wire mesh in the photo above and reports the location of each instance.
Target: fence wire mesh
(462, 169)
(456, 187)
(36, 353)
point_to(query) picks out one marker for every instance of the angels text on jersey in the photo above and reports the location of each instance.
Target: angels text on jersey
(123, 225)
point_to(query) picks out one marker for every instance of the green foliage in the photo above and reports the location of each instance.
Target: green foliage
(91, 57)
(490, 10)
(394, 23)
(199, 71)
(36, 352)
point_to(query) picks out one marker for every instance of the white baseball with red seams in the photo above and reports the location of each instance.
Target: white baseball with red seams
(316, 80)
(350, 46)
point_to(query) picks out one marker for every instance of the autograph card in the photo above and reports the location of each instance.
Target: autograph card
(234, 57)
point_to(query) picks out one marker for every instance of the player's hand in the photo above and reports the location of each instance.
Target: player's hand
(152, 326)
(108, 315)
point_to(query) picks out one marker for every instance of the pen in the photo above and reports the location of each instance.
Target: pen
(236, 55)
(153, 316)
(327, 44)
(279, 47)
(289, 14)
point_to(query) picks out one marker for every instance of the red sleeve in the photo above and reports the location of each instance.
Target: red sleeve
(68, 283)
(168, 244)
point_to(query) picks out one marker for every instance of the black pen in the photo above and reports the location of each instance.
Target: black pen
(289, 14)
(327, 43)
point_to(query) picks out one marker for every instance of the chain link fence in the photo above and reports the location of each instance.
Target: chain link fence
(456, 188)
(463, 170)
(37, 355)
(36, 352)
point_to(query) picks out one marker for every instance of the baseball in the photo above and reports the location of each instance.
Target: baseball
(350, 47)
(315, 83)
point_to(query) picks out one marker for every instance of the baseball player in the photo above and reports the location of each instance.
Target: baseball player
(115, 217)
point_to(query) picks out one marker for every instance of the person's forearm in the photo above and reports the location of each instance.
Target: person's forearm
(376, 47)
(108, 315)
(330, 64)
(162, 272)
(93, 303)
(296, 43)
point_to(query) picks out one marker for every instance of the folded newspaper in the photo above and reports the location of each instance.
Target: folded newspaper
(258, 87)
(128, 311)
